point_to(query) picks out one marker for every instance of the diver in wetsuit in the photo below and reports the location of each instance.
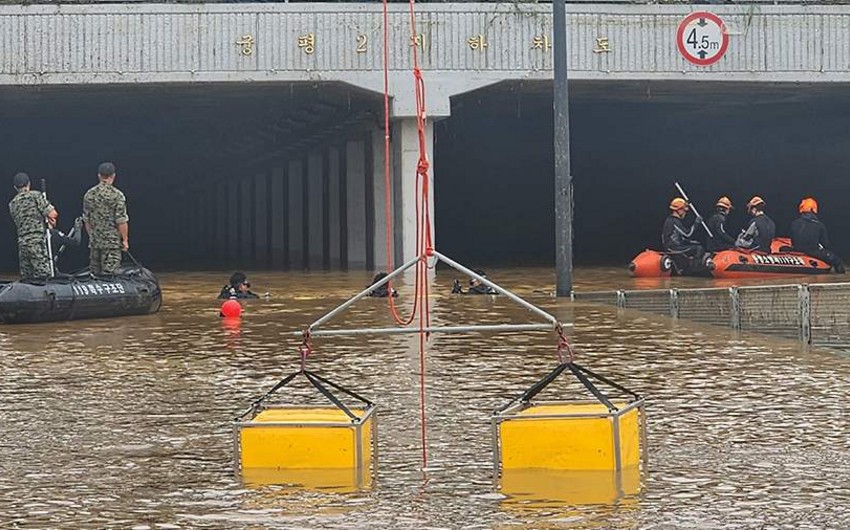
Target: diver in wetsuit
(808, 235)
(382, 291)
(717, 224)
(761, 231)
(475, 286)
(239, 287)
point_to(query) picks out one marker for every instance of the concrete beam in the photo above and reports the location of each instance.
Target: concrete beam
(221, 221)
(278, 217)
(261, 220)
(315, 194)
(334, 207)
(379, 201)
(296, 215)
(246, 232)
(355, 182)
(233, 248)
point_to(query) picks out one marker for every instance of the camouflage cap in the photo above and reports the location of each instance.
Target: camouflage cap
(106, 169)
(21, 180)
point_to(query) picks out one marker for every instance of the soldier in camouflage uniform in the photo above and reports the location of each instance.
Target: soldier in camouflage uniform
(30, 210)
(105, 216)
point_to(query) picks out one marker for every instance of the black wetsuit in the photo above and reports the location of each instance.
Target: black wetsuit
(382, 292)
(721, 240)
(675, 239)
(758, 235)
(473, 289)
(481, 289)
(228, 292)
(808, 235)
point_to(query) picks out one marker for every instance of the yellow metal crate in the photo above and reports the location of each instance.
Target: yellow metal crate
(578, 435)
(306, 438)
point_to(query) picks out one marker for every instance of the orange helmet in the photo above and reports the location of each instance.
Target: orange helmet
(724, 202)
(755, 201)
(678, 204)
(808, 205)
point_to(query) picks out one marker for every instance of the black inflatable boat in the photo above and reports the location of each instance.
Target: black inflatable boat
(133, 291)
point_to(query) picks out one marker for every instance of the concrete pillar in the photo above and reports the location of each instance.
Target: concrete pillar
(332, 167)
(278, 217)
(379, 201)
(315, 211)
(296, 215)
(233, 204)
(369, 191)
(355, 182)
(405, 160)
(246, 233)
(221, 221)
(261, 220)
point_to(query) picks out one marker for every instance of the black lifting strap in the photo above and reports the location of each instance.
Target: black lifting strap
(591, 387)
(535, 389)
(608, 382)
(314, 380)
(581, 374)
(342, 389)
(259, 401)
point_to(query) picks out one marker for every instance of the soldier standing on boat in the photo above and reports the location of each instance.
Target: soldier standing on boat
(106, 220)
(32, 214)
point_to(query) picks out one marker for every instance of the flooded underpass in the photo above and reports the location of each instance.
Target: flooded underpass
(127, 423)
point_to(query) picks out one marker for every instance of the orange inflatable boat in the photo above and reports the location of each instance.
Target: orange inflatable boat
(746, 264)
(733, 263)
(655, 264)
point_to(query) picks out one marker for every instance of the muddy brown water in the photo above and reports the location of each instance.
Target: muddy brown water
(126, 423)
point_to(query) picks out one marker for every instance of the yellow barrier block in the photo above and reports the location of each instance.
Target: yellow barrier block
(306, 438)
(570, 436)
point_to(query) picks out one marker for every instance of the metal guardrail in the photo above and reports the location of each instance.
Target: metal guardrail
(817, 314)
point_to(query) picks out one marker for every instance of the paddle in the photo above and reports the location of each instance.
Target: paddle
(702, 221)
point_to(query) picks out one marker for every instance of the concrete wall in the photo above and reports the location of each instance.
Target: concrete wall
(125, 43)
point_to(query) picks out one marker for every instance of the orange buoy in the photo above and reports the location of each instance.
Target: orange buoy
(230, 309)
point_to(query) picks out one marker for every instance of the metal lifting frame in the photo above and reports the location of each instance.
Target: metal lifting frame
(550, 325)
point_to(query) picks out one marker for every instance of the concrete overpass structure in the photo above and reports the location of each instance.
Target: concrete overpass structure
(251, 133)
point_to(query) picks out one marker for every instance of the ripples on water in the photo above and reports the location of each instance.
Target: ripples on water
(127, 423)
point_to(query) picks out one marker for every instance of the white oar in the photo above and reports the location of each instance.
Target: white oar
(685, 196)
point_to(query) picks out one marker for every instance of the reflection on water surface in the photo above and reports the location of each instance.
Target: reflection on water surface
(127, 423)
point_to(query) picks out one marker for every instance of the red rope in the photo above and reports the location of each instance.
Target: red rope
(564, 346)
(305, 349)
(424, 243)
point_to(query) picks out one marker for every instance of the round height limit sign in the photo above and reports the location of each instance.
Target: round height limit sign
(702, 38)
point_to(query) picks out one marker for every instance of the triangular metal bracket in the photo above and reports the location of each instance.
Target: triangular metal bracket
(551, 323)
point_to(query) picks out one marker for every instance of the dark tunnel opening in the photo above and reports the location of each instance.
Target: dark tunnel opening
(168, 143)
(493, 158)
(629, 143)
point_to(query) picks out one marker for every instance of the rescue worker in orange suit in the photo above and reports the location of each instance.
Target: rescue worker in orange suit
(808, 235)
(761, 230)
(721, 239)
(675, 239)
